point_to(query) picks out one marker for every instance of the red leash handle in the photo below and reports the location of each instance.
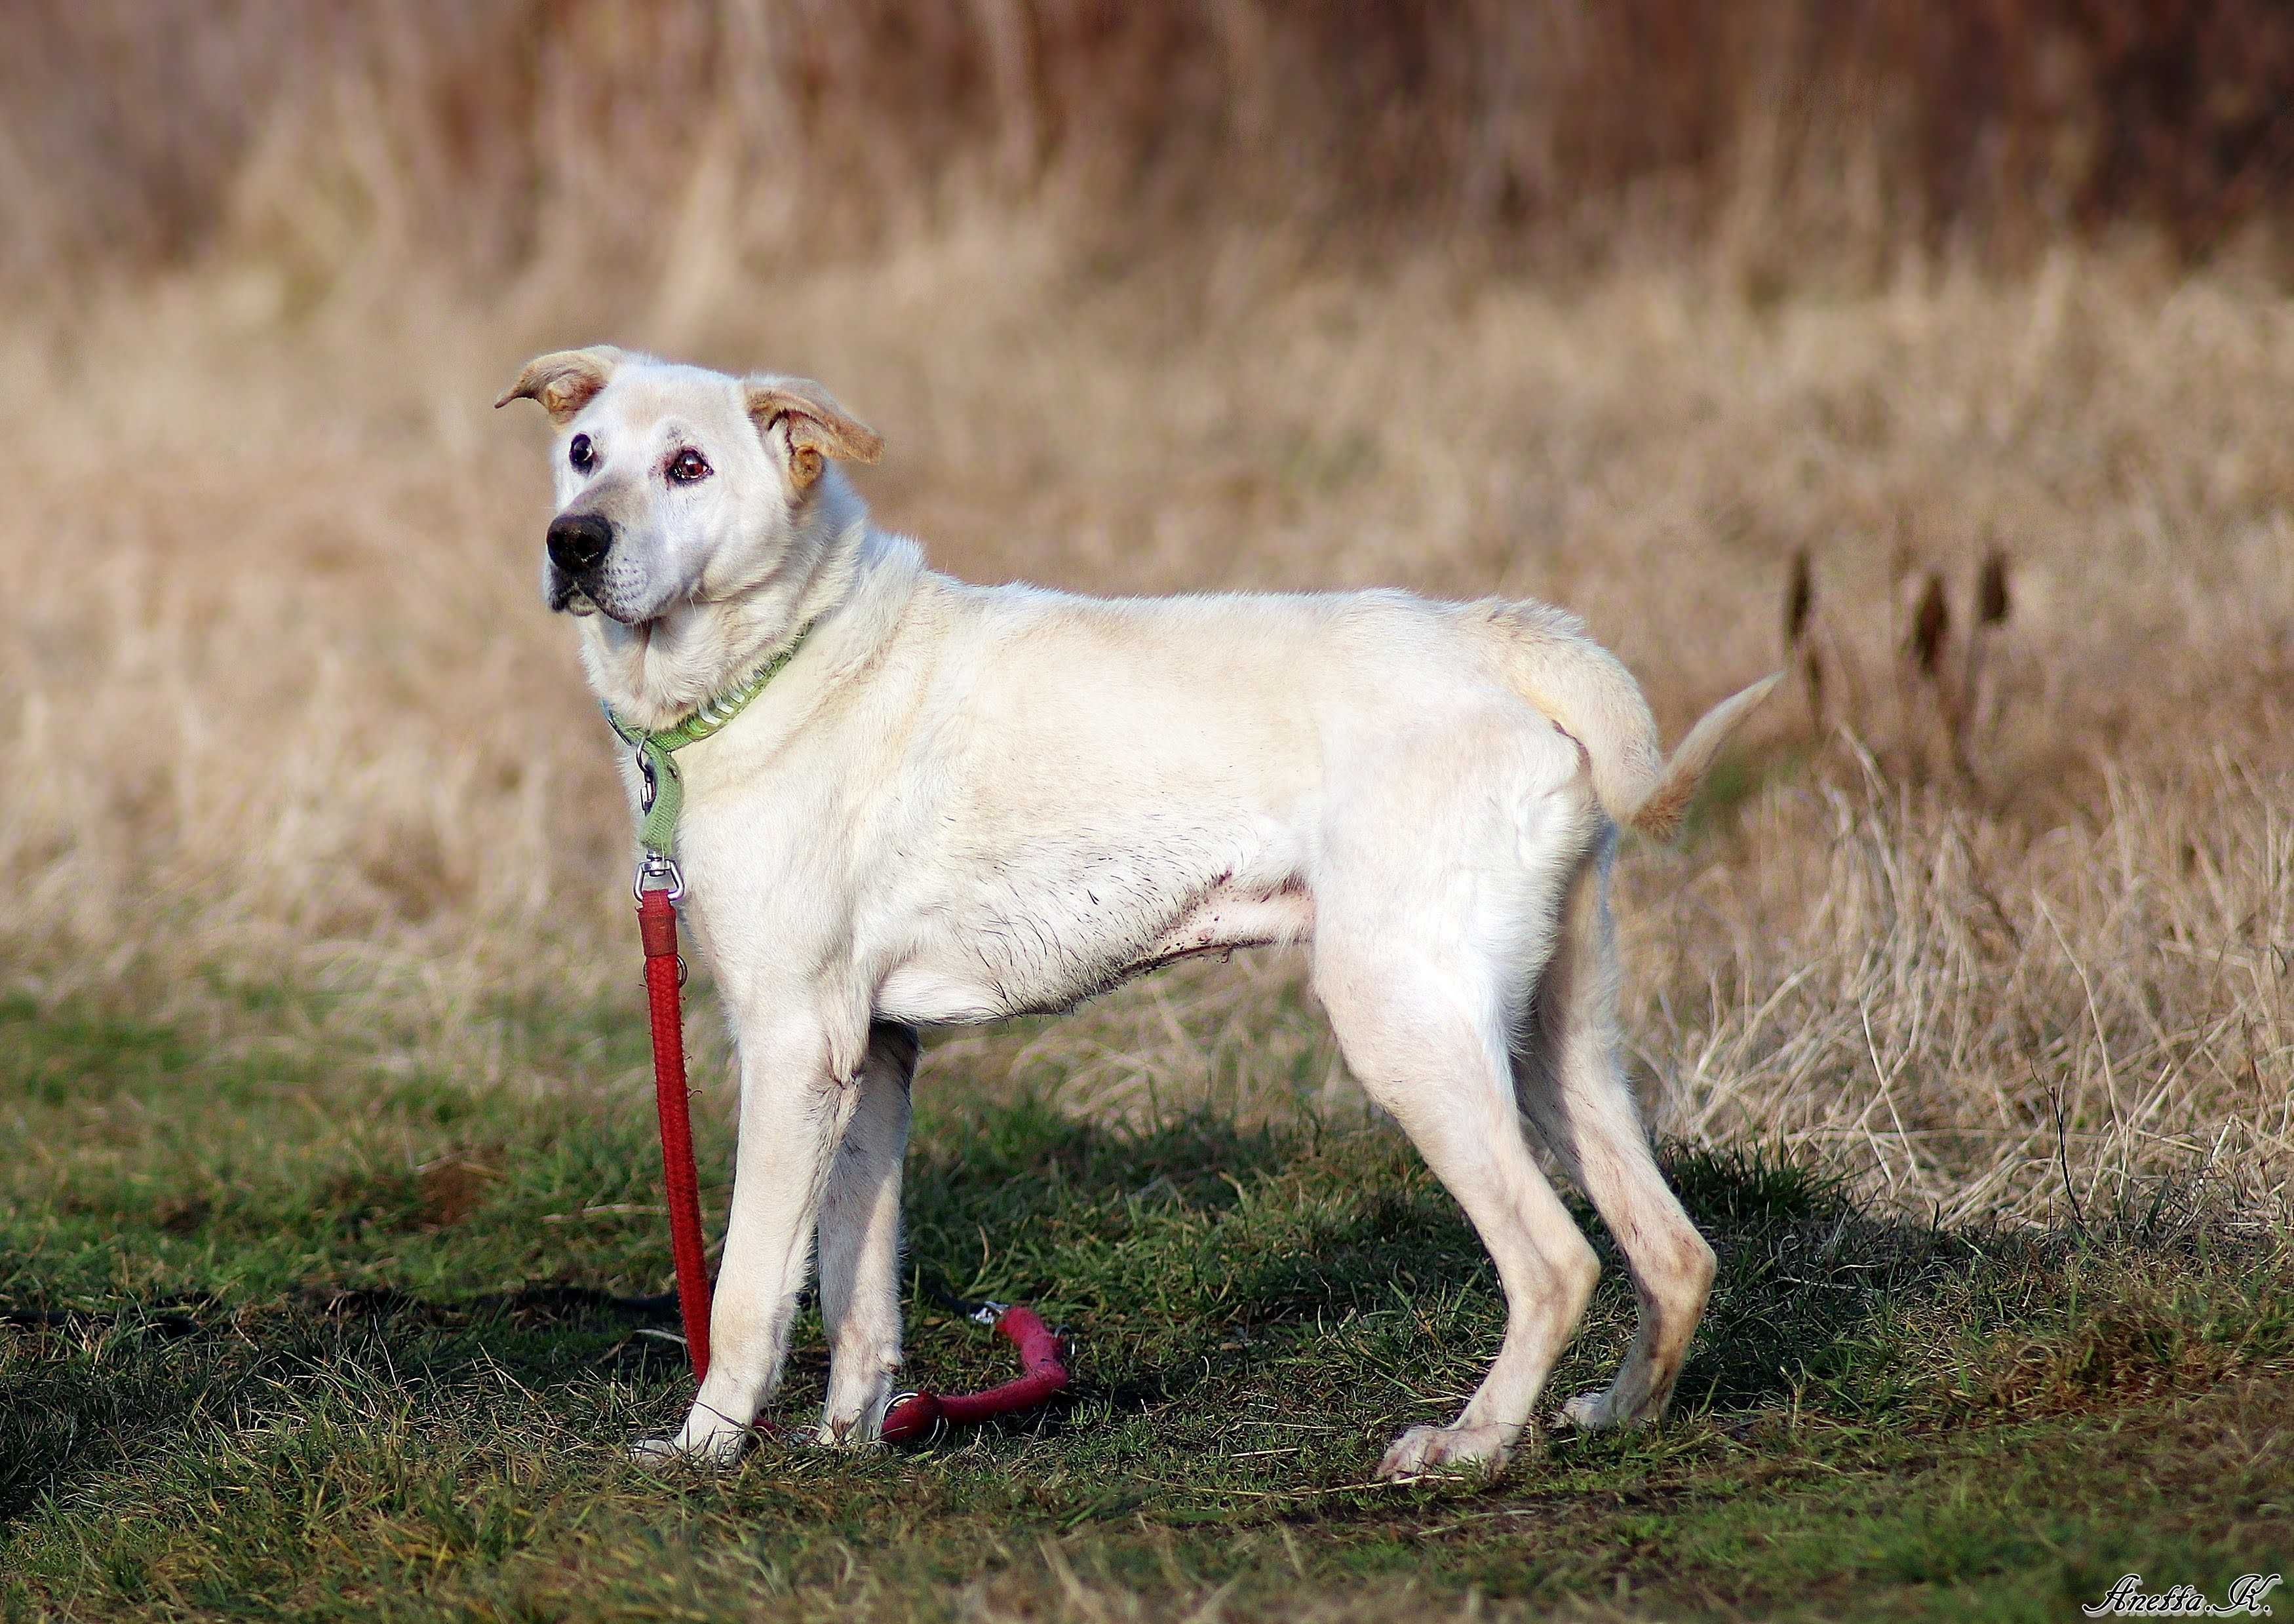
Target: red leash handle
(658, 926)
(1043, 1372)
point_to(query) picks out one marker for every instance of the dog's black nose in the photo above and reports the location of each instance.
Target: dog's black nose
(578, 540)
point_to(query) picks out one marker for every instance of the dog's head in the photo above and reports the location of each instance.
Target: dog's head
(678, 486)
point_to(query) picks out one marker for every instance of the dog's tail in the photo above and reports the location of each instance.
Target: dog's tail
(1657, 813)
(1592, 697)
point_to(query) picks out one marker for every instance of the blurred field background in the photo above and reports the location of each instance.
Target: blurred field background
(1942, 352)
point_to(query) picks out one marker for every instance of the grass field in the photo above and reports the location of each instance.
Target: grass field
(1962, 1008)
(324, 1374)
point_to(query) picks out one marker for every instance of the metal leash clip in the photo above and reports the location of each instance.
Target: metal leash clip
(658, 865)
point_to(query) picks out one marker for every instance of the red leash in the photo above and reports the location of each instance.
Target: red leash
(664, 971)
(912, 1414)
(1043, 1372)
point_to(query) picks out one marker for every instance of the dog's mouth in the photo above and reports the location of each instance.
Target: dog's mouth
(565, 597)
(569, 596)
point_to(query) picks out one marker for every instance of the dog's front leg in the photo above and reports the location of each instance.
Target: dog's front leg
(796, 1102)
(860, 1245)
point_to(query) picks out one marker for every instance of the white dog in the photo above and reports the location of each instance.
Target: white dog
(956, 803)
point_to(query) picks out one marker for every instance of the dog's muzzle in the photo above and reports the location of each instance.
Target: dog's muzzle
(579, 542)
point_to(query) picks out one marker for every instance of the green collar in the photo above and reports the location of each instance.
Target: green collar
(662, 795)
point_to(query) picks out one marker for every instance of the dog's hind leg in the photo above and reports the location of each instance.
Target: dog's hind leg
(1575, 1096)
(860, 1244)
(1424, 1035)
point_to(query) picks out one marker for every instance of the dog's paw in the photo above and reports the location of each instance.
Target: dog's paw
(1601, 1411)
(1590, 1412)
(849, 1431)
(707, 1438)
(657, 1452)
(1423, 1450)
(854, 1414)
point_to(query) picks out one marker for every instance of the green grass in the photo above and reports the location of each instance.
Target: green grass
(302, 1361)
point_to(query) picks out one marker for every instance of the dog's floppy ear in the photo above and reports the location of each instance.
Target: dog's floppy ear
(563, 381)
(817, 427)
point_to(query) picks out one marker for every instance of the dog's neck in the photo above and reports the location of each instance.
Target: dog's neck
(653, 675)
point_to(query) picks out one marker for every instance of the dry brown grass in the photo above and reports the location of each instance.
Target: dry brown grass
(617, 132)
(2004, 934)
(283, 704)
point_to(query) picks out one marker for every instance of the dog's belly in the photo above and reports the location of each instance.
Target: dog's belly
(1047, 960)
(1232, 915)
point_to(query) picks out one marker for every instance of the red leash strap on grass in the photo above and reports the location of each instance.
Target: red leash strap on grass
(658, 926)
(1042, 1375)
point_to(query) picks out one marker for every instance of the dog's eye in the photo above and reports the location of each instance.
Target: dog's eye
(579, 454)
(687, 465)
